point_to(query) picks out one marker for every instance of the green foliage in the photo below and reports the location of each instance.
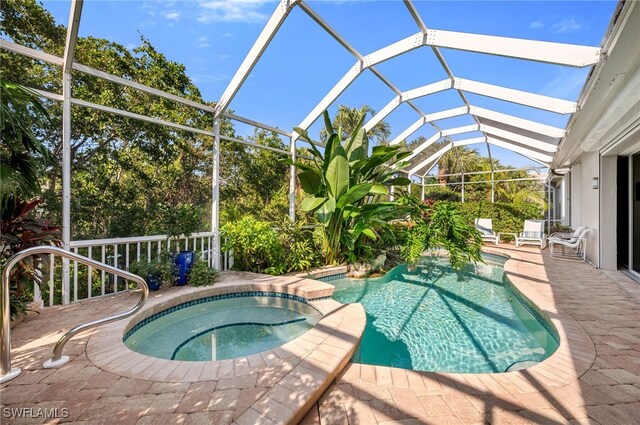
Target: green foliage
(441, 225)
(163, 268)
(201, 274)
(180, 220)
(23, 156)
(274, 248)
(344, 186)
(507, 218)
(441, 193)
(19, 231)
(254, 243)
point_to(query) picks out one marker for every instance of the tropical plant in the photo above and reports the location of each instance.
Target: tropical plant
(344, 186)
(201, 274)
(441, 225)
(348, 119)
(23, 156)
(457, 160)
(19, 231)
(519, 193)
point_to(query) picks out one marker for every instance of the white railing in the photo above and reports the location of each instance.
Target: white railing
(86, 282)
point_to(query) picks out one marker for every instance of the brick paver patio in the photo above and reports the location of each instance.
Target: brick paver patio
(604, 390)
(593, 378)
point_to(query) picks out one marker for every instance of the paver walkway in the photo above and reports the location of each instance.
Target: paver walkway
(605, 391)
(106, 383)
(600, 383)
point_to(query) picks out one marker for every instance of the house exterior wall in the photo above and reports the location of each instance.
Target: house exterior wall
(585, 201)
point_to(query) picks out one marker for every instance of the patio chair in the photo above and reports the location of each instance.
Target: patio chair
(570, 236)
(532, 234)
(578, 247)
(485, 227)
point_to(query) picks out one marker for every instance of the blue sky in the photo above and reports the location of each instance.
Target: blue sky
(212, 37)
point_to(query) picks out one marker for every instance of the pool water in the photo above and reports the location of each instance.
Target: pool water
(432, 318)
(224, 329)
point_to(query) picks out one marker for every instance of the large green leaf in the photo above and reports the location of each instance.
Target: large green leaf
(325, 212)
(357, 144)
(329, 149)
(354, 194)
(337, 174)
(311, 203)
(370, 234)
(379, 189)
(327, 122)
(310, 181)
(305, 136)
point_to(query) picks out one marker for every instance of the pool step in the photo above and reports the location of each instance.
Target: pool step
(520, 365)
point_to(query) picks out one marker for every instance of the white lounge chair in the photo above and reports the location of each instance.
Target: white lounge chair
(532, 234)
(578, 247)
(566, 236)
(485, 227)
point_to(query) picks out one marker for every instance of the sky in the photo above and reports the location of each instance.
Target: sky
(302, 63)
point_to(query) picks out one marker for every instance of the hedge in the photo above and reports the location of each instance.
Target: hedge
(506, 217)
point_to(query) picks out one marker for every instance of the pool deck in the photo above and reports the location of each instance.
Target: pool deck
(594, 377)
(106, 383)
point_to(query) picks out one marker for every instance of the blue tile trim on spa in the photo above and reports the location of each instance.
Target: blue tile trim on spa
(215, 298)
(331, 277)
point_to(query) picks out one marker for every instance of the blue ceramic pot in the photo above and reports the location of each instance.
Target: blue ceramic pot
(153, 281)
(184, 262)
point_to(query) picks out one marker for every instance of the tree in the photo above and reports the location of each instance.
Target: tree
(123, 169)
(347, 118)
(457, 160)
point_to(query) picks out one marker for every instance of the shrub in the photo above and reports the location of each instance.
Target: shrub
(507, 218)
(255, 244)
(441, 193)
(201, 274)
(163, 268)
(265, 247)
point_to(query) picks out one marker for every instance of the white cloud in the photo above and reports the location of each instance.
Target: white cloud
(566, 25)
(203, 42)
(172, 15)
(232, 11)
(536, 24)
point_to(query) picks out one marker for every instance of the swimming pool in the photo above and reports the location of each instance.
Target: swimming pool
(223, 327)
(432, 318)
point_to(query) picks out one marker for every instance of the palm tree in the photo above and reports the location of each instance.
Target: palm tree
(520, 193)
(457, 160)
(348, 118)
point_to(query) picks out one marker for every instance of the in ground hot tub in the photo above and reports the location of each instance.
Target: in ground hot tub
(223, 326)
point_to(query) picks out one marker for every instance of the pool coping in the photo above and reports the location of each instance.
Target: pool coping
(294, 375)
(574, 356)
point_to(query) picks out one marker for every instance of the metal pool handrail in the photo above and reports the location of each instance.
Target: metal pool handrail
(57, 359)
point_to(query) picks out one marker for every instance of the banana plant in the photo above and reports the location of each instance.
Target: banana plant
(345, 186)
